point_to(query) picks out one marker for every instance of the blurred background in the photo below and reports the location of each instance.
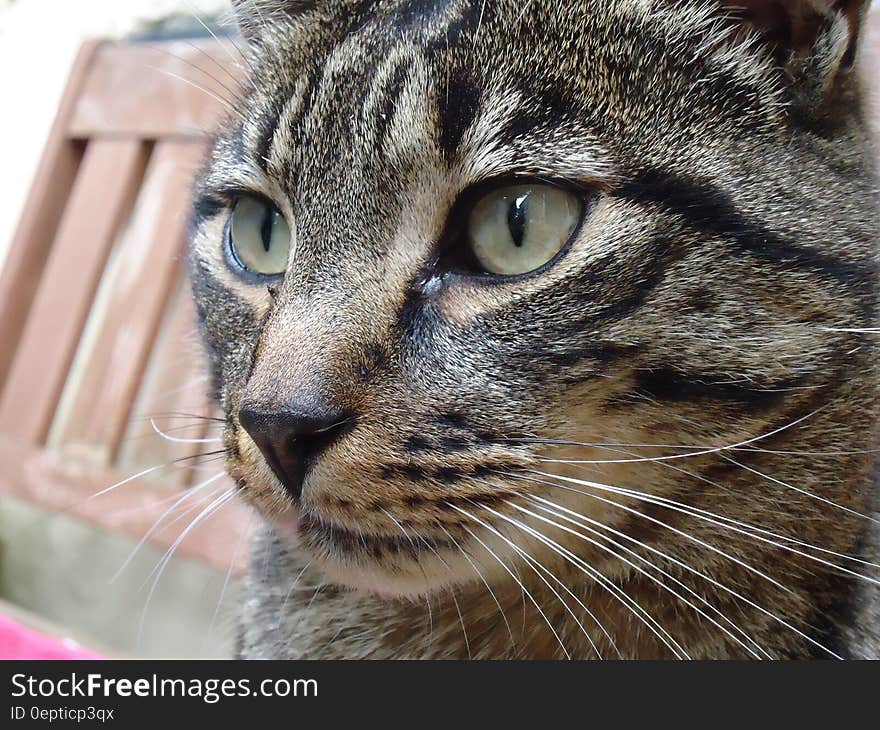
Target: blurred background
(118, 531)
(100, 142)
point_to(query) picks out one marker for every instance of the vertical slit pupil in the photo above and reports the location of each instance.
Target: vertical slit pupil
(516, 219)
(266, 228)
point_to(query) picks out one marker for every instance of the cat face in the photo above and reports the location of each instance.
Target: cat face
(464, 266)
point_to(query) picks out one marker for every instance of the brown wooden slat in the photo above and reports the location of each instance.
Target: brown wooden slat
(59, 484)
(175, 383)
(190, 83)
(42, 211)
(101, 198)
(140, 275)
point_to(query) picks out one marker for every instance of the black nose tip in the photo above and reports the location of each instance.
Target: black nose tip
(290, 438)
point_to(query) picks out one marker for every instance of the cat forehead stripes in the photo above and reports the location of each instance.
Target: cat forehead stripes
(359, 74)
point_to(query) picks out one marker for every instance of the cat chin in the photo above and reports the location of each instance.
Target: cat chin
(399, 579)
(381, 582)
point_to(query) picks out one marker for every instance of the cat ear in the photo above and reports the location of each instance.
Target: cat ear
(825, 31)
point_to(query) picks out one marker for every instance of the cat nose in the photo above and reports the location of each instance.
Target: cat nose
(291, 438)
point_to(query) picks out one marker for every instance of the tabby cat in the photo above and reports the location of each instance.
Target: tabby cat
(548, 329)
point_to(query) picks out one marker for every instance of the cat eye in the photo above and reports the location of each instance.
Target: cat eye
(258, 237)
(520, 228)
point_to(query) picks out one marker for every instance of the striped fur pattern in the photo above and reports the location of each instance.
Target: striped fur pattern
(659, 446)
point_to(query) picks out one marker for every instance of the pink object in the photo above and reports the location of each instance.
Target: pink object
(18, 641)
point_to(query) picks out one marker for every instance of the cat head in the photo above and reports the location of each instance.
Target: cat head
(458, 261)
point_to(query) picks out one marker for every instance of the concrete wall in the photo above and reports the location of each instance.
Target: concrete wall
(65, 571)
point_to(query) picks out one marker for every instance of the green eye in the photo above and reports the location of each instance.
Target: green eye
(518, 229)
(259, 237)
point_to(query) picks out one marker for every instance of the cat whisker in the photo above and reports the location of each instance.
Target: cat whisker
(695, 540)
(155, 503)
(179, 440)
(764, 611)
(525, 591)
(170, 430)
(620, 595)
(293, 585)
(166, 558)
(232, 561)
(536, 533)
(315, 594)
(229, 75)
(242, 55)
(538, 441)
(188, 494)
(692, 450)
(219, 99)
(659, 631)
(479, 23)
(150, 470)
(224, 493)
(799, 490)
(430, 616)
(234, 96)
(178, 415)
(752, 527)
(719, 521)
(557, 511)
(467, 643)
(852, 330)
(533, 563)
(525, 9)
(400, 527)
(343, 422)
(483, 579)
(414, 548)
(858, 452)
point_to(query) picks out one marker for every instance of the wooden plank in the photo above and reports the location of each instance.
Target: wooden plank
(140, 275)
(168, 89)
(42, 212)
(100, 201)
(174, 386)
(57, 484)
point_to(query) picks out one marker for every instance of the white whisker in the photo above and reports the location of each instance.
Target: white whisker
(747, 525)
(293, 585)
(160, 567)
(186, 81)
(482, 578)
(691, 538)
(556, 512)
(799, 490)
(467, 643)
(188, 494)
(179, 440)
(628, 602)
(718, 520)
(219, 42)
(149, 470)
(233, 560)
(702, 452)
(519, 583)
(534, 564)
